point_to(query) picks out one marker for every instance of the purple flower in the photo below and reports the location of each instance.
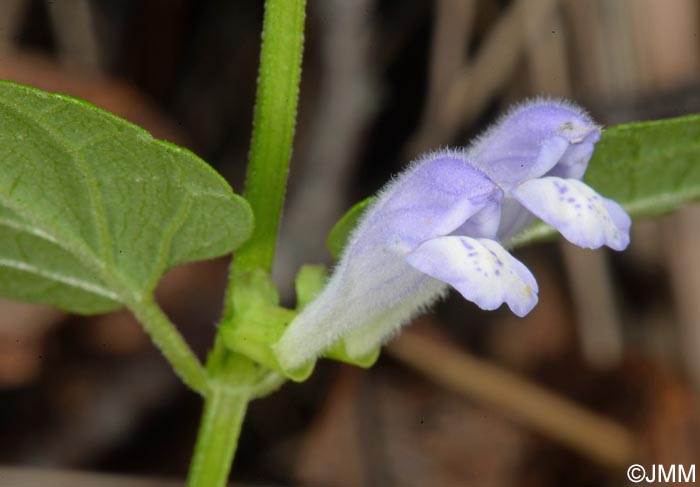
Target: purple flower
(442, 221)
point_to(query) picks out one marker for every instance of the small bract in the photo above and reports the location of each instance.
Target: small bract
(443, 221)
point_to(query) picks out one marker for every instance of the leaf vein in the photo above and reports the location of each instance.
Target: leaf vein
(83, 166)
(63, 279)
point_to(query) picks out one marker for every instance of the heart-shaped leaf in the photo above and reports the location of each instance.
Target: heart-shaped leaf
(93, 210)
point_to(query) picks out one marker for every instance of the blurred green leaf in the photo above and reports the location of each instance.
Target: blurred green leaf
(308, 283)
(649, 167)
(340, 233)
(93, 210)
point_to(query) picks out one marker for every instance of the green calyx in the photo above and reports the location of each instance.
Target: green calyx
(258, 321)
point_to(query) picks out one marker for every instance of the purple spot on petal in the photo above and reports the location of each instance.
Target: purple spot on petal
(498, 273)
(473, 254)
(561, 188)
(571, 199)
(467, 245)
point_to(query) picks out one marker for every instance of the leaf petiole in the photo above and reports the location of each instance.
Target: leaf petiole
(171, 344)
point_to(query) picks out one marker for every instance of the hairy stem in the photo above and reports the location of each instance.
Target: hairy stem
(171, 344)
(235, 379)
(273, 127)
(224, 410)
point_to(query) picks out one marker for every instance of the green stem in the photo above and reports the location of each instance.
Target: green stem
(236, 379)
(171, 344)
(224, 411)
(233, 383)
(273, 128)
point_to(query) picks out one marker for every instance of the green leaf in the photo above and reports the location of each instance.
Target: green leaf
(340, 233)
(648, 167)
(93, 210)
(309, 282)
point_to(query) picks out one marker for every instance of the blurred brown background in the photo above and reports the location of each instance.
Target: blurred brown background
(604, 373)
